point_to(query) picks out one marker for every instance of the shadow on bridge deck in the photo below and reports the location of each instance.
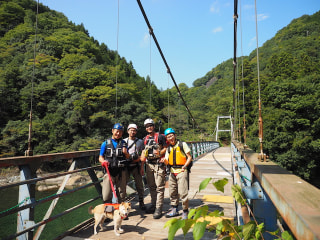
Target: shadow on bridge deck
(215, 164)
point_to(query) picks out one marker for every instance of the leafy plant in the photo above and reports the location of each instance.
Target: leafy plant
(225, 229)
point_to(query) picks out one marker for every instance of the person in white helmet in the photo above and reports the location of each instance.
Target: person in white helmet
(135, 148)
(154, 150)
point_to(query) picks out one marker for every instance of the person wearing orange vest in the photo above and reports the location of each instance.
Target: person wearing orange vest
(178, 158)
(154, 149)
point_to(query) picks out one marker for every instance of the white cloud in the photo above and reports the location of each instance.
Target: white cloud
(262, 17)
(215, 7)
(217, 29)
(145, 41)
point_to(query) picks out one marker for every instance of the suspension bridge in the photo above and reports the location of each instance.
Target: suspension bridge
(275, 197)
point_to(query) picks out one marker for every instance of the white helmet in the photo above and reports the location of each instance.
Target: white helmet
(148, 121)
(132, 125)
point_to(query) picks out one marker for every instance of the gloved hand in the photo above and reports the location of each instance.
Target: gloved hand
(105, 164)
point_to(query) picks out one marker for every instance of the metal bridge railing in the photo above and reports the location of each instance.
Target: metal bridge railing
(199, 148)
(81, 161)
(27, 202)
(272, 191)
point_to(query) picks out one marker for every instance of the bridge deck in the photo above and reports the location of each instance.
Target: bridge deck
(215, 164)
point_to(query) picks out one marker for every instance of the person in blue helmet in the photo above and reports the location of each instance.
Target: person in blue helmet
(178, 159)
(113, 155)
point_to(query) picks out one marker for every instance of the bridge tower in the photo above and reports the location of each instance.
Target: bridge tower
(224, 130)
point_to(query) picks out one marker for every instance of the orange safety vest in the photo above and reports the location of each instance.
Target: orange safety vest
(177, 155)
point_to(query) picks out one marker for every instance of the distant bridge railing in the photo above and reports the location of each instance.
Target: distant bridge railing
(87, 161)
(272, 190)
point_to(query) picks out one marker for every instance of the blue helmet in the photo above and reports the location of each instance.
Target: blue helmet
(118, 126)
(168, 131)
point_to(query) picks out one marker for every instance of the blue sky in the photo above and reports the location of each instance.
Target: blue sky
(194, 35)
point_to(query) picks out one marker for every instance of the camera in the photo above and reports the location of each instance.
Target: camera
(134, 156)
(150, 153)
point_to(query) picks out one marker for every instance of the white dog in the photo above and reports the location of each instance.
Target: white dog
(117, 212)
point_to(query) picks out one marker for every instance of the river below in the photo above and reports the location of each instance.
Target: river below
(9, 199)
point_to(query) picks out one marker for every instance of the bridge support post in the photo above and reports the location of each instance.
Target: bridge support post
(93, 176)
(262, 208)
(264, 211)
(27, 192)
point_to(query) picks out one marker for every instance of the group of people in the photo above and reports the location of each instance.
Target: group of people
(152, 156)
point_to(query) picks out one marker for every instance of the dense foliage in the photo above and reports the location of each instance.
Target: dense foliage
(73, 81)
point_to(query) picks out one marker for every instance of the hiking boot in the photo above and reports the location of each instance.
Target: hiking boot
(151, 209)
(157, 213)
(142, 206)
(172, 212)
(185, 214)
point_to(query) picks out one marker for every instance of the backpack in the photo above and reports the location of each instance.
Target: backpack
(156, 137)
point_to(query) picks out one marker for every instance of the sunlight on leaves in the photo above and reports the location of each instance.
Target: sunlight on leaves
(248, 230)
(237, 194)
(188, 224)
(286, 235)
(175, 227)
(199, 229)
(204, 184)
(219, 185)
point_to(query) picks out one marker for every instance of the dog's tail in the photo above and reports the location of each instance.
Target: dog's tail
(90, 210)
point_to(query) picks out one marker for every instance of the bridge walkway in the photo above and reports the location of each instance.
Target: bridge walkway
(216, 164)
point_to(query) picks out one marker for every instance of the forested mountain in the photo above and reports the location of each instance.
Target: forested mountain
(290, 96)
(73, 81)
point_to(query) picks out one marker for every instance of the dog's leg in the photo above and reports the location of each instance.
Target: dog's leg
(102, 222)
(116, 229)
(98, 221)
(119, 226)
(95, 227)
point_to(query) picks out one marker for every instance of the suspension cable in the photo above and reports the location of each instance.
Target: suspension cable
(238, 105)
(242, 74)
(163, 58)
(150, 75)
(168, 103)
(262, 156)
(117, 63)
(235, 18)
(29, 151)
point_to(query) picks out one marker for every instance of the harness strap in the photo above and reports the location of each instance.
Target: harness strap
(174, 156)
(115, 205)
(132, 143)
(156, 136)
